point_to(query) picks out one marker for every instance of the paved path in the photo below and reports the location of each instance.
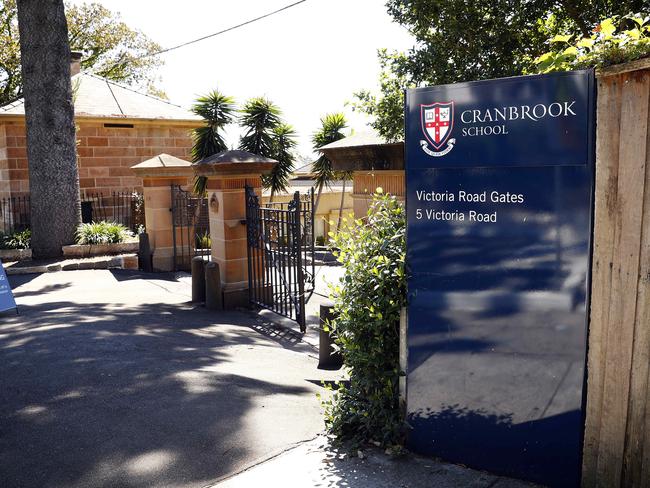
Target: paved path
(315, 464)
(113, 379)
(325, 275)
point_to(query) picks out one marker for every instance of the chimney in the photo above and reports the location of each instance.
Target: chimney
(75, 62)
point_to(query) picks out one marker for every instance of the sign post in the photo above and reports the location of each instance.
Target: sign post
(7, 301)
(499, 177)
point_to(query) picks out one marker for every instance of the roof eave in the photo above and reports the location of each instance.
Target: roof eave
(113, 118)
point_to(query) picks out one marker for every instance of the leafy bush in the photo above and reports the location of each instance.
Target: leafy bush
(102, 233)
(17, 240)
(368, 301)
(615, 40)
(203, 241)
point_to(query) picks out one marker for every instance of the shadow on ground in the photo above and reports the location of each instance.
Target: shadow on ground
(150, 394)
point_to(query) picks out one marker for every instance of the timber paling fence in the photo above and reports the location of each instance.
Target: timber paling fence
(125, 208)
(617, 432)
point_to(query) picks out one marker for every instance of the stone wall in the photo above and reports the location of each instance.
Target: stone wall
(106, 153)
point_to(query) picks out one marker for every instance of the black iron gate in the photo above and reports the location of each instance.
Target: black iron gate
(280, 236)
(190, 227)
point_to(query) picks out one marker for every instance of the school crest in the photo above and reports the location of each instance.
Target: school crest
(437, 121)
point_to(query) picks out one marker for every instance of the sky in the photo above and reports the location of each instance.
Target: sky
(309, 59)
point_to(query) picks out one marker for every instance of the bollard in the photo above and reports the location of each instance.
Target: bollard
(198, 279)
(327, 357)
(213, 295)
(145, 256)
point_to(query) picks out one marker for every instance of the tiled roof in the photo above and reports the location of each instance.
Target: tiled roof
(304, 169)
(359, 139)
(99, 97)
(163, 161)
(234, 156)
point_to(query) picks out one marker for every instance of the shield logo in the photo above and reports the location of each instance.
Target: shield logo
(437, 122)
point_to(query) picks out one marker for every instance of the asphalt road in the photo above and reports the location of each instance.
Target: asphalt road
(110, 378)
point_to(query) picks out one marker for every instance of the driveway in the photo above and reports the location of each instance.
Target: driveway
(111, 378)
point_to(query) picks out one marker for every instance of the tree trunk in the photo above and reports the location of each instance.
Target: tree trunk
(49, 114)
(320, 191)
(338, 224)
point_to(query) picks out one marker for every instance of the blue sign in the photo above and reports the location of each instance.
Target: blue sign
(7, 301)
(499, 177)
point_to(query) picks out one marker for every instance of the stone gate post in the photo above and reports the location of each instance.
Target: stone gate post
(228, 173)
(158, 175)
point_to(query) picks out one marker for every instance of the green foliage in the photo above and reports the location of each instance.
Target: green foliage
(10, 74)
(320, 240)
(217, 111)
(461, 40)
(615, 40)
(284, 143)
(111, 48)
(387, 110)
(259, 119)
(331, 130)
(203, 241)
(264, 133)
(102, 233)
(267, 135)
(16, 240)
(367, 303)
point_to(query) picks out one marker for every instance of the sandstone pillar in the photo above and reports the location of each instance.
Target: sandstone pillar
(228, 174)
(158, 175)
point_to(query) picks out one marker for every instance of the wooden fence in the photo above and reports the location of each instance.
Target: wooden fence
(617, 431)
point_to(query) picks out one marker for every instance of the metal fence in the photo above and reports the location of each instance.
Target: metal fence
(280, 236)
(190, 228)
(14, 214)
(126, 208)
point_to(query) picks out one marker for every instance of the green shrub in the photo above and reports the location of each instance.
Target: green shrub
(615, 40)
(203, 241)
(368, 301)
(17, 240)
(102, 233)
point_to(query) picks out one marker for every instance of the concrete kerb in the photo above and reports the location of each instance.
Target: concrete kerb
(122, 261)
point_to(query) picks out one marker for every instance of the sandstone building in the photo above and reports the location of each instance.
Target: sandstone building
(117, 128)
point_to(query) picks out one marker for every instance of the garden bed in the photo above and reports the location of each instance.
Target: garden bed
(15, 254)
(86, 250)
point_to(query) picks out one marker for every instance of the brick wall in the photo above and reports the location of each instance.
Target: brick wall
(16, 157)
(106, 154)
(4, 164)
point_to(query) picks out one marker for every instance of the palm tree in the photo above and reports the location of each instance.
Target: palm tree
(267, 135)
(218, 111)
(331, 130)
(259, 118)
(49, 114)
(283, 145)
